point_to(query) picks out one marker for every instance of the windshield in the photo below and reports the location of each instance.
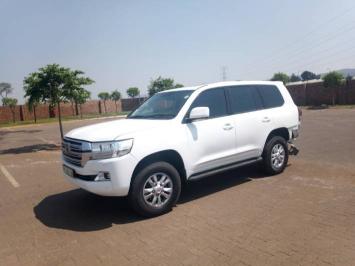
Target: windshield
(162, 105)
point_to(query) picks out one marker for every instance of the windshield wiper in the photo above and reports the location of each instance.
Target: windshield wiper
(137, 116)
(161, 115)
(153, 116)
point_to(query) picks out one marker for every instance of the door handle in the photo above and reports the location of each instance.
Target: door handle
(266, 120)
(227, 126)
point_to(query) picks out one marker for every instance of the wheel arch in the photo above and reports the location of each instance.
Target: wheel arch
(281, 132)
(169, 156)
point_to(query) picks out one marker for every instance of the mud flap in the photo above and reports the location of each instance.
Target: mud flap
(292, 149)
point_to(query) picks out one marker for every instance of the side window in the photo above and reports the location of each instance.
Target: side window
(213, 99)
(270, 95)
(244, 98)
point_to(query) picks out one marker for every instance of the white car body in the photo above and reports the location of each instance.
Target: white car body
(202, 145)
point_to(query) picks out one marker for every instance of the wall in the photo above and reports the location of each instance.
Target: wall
(131, 103)
(315, 94)
(67, 109)
(6, 114)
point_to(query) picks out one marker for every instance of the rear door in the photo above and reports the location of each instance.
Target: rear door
(273, 114)
(249, 119)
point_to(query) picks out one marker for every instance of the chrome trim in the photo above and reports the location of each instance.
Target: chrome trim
(76, 152)
(158, 189)
(224, 168)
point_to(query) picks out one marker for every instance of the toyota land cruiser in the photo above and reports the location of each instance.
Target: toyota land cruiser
(183, 134)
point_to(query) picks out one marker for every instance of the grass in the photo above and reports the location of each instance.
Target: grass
(55, 119)
(345, 106)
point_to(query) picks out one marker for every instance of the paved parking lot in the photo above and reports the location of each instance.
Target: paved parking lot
(305, 216)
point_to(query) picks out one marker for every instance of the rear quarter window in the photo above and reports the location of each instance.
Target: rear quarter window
(270, 96)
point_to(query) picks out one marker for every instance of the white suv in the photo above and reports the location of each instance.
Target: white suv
(180, 135)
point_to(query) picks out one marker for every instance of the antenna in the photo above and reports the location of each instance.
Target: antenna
(224, 73)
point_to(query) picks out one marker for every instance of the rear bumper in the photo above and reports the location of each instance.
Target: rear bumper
(120, 171)
(294, 133)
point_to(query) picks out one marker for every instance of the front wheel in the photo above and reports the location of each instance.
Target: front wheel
(275, 155)
(155, 189)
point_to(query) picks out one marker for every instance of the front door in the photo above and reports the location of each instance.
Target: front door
(212, 140)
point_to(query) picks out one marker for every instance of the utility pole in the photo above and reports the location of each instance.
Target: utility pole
(224, 73)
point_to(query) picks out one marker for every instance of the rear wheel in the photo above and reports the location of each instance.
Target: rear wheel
(275, 155)
(155, 189)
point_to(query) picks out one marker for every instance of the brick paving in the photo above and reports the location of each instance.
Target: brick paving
(305, 216)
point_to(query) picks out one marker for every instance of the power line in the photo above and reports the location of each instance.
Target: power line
(327, 57)
(317, 44)
(300, 39)
(301, 51)
(334, 47)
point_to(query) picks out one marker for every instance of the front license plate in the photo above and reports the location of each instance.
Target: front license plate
(68, 171)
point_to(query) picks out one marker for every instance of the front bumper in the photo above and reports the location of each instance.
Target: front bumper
(120, 170)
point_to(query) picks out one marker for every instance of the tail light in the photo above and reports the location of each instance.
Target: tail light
(299, 113)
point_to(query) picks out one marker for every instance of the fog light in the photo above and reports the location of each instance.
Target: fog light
(102, 176)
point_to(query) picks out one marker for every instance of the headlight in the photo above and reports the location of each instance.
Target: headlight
(110, 149)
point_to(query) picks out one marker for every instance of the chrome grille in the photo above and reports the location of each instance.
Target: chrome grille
(76, 152)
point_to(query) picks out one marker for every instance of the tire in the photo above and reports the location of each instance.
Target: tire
(155, 189)
(275, 155)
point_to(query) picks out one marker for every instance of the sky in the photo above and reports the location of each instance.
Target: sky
(121, 44)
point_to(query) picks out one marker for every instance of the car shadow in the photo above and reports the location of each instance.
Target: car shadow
(5, 132)
(8, 132)
(32, 148)
(78, 210)
(212, 184)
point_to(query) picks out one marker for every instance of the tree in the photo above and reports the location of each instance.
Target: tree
(74, 89)
(332, 80)
(34, 93)
(116, 96)
(308, 75)
(162, 84)
(10, 102)
(80, 97)
(179, 85)
(32, 106)
(348, 79)
(295, 78)
(104, 96)
(281, 77)
(5, 89)
(132, 92)
(53, 84)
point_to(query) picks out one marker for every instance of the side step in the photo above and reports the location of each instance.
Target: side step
(223, 169)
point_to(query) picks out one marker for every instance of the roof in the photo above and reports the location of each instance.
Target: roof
(191, 88)
(226, 83)
(242, 82)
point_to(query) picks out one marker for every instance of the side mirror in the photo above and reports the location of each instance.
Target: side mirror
(199, 113)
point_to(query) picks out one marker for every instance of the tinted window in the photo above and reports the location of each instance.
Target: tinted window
(244, 99)
(213, 99)
(270, 95)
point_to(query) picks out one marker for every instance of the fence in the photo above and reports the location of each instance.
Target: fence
(314, 93)
(303, 93)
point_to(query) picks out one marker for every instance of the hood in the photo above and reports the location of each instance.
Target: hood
(112, 130)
